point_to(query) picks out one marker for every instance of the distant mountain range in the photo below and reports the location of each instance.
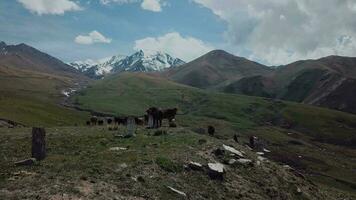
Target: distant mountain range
(137, 62)
(329, 82)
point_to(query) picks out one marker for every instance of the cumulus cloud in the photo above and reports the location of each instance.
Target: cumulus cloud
(151, 5)
(282, 31)
(54, 7)
(91, 38)
(186, 48)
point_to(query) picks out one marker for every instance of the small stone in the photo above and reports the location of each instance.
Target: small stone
(195, 166)
(177, 191)
(26, 162)
(260, 158)
(260, 153)
(244, 161)
(299, 191)
(118, 148)
(266, 150)
(232, 161)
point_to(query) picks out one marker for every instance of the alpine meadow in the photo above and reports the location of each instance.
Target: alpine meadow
(189, 99)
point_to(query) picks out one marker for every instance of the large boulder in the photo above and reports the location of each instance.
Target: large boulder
(216, 171)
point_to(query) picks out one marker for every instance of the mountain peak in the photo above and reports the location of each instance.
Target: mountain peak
(140, 61)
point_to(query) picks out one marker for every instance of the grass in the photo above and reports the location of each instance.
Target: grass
(33, 99)
(81, 164)
(230, 114)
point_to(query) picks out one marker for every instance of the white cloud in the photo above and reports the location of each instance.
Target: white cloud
(151, 5)
(186, 48)
(282, 31)
(91, 38)
(54, 7)
(106, 2)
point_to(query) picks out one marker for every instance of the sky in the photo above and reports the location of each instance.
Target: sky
(273, 32)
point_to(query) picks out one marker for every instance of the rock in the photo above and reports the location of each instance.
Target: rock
(260, 158)
(244, 161)
(26, 162)
(260, 153)
(232, 150)
(195, 166)
(232, 161)
(299, 191)
(216, 170)
(266, 150)
(258, 163)
(177, 191)
(118, 148)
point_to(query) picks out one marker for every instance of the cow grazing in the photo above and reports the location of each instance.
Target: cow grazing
(100, 122)
(120, 120)
(139, 121)
(169, 114)
(88, 123)
(211, 130)
(94, 120)
(109, 120)
(156, 115)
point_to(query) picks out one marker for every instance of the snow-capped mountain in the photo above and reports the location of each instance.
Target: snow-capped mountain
(137, 62)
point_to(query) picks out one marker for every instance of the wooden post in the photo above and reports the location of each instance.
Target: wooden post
(150, 121)
(131, 126)
(38, 143)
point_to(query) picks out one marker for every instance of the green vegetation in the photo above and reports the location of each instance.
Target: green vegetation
(80, 163)
(324, 133)
(33, 99)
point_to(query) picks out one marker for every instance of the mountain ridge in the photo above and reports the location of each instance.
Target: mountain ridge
(136, 62)
(315, 81)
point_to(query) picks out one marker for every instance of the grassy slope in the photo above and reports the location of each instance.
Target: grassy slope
(81, 165)
(318, 128)
(33, 98)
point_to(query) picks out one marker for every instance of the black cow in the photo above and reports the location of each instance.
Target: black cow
(94, 120)
(100, 122)
(109, 120)
(169, 114)
(120, 120)
(156, 115)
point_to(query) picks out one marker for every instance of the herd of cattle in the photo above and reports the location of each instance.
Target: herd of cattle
(153, 118)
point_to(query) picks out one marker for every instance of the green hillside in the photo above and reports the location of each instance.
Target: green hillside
(33, 98)
(290, 129)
